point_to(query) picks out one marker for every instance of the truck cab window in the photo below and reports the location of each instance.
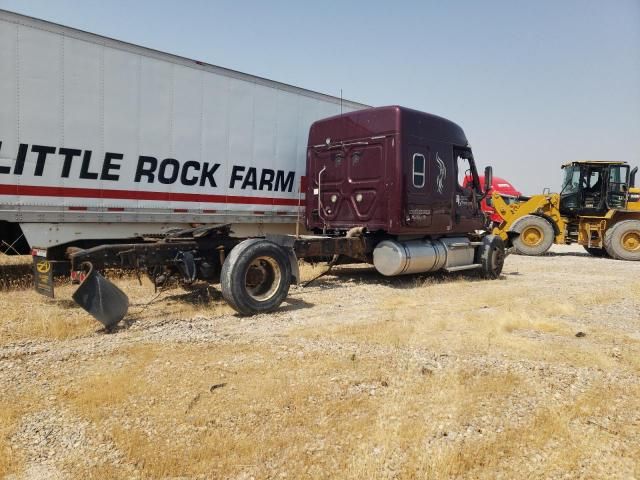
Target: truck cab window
(419, 164)
(464, 171)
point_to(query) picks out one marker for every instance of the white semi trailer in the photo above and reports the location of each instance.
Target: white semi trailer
(102, 140)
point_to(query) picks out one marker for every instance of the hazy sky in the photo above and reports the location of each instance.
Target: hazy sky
(533, 83)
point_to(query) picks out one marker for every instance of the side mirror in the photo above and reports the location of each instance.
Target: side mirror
(488, 179)
(632, 177)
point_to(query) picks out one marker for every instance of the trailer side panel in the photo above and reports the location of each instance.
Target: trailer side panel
(98, 131)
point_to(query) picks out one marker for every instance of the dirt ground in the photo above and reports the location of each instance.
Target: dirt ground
(534, 375)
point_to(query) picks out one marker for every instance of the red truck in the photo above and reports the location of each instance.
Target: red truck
(500, 185)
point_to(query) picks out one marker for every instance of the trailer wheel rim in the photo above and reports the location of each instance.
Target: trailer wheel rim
(532, 236)
(631, 241)
(263, 278)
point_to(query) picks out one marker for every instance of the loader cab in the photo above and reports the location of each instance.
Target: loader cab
(593, 188)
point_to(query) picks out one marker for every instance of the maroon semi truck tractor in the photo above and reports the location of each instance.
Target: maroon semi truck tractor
(384, 186)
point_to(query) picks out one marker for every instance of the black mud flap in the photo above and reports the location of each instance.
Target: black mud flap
(101, 298)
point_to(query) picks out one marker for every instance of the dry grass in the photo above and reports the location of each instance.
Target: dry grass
(10, 413)
(316, 414)
(29, 315)
(15, 259)
(15, 272)
(467, 316)
(422, 377)
(549, 426)
(13, 406)
(94, 392)
(311, 411)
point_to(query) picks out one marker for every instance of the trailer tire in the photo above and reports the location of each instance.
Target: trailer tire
(536, 235)
(255, 277)
(596, 252)
(622, 241)
(491, 256)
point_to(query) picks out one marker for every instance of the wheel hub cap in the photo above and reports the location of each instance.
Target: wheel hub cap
(631, 241)
(531, 236)
(263, 278)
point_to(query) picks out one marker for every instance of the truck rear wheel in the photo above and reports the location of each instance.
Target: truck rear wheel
(536, 235)
(255, 277)
(622, 241)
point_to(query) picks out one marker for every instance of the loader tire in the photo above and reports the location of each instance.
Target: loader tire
(255, 277)
(491, 256)
(536, 236)
(622, 241)
(596, 252)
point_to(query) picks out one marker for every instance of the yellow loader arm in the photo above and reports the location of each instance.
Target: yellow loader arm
(546, 206)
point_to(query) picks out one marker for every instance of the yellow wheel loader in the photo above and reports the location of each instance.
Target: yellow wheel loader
(598, 207)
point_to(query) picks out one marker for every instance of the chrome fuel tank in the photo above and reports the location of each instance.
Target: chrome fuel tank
(391, 257)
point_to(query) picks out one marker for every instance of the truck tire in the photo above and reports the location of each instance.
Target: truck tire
(536, 235)
(622, 241)
(255, 277)
(596, 252)
(491, 256)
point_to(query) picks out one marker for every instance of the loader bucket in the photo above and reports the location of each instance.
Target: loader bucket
(101, 298)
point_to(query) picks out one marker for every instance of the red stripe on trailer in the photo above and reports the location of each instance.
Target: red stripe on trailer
(113, 194)
(209, 211)
(258, 212)
(115, 209)
(81, 209)
(180, 210)
(282, 213)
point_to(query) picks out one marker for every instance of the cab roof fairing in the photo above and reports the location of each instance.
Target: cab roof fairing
(383, 121)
